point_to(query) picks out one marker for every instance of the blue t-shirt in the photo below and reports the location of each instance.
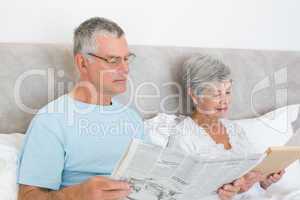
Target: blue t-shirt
(69, 141)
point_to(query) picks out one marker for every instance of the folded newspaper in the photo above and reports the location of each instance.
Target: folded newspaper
(157, 173)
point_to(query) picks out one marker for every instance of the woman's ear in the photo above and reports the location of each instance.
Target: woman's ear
(192, 95)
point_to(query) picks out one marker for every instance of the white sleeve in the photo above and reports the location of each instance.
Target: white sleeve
(256, 192)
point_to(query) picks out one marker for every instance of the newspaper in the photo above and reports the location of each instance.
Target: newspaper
(157, 173)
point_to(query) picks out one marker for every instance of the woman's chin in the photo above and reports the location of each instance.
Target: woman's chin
(222, 113)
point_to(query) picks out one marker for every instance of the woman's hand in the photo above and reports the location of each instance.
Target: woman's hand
(271, 179)
(228, 191)
(250, 179)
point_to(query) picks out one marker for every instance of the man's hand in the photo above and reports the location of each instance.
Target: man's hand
(271, 179)
(228, 191)
(101, 188)
(96, 188)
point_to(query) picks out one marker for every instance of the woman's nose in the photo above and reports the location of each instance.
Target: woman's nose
(224, 100)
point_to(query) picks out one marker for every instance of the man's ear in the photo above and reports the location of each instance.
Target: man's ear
(192, 95)
(81, 63)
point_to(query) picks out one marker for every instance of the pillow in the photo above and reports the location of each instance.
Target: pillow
(273, 129)
(9, 148)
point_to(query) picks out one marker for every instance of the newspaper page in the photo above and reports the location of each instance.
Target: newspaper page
(157, 173)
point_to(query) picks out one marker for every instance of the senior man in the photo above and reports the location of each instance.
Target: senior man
(73, 143)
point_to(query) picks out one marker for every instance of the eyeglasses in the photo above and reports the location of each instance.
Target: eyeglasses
(114, 60)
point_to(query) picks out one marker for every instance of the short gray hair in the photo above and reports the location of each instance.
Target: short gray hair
(201, 70)
(84, 34)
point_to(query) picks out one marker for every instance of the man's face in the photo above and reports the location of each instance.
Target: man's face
(109, 78)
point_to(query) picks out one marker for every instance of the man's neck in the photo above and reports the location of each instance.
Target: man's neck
(84, 95)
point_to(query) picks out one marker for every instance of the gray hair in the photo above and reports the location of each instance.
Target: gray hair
(201, 70)
(84, 34)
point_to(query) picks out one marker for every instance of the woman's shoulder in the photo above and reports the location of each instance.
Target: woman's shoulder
(165, 118)
(164, 123)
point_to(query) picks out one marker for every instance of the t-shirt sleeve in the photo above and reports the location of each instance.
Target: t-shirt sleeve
(41, 160)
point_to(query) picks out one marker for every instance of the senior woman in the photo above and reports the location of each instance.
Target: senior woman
(208, 84)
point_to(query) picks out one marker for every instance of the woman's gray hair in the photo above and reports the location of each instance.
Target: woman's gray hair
(203, 70)
(84, 34)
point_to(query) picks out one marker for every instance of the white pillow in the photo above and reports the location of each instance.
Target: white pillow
(271, 129)
(9, 148)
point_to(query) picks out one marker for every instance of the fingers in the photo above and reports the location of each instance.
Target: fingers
(225, 195)
(117, 194)
(109, 184)
(231, 188)
(268, 182)
(281, 173)
(253, 176)
(242, 184)
(239, 182)
(249, 180)
(228, 191)
(273, 178)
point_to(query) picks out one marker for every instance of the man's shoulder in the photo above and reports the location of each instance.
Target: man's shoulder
(50, 114)
(56, 106)
(126, 109)
(47, 122)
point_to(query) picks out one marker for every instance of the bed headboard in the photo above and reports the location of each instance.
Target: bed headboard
(33, 74)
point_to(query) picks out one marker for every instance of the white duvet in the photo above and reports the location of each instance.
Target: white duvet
(9, 148)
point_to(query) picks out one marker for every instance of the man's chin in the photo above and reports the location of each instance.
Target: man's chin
(119, 90)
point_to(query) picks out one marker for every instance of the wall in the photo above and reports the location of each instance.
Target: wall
(254, 24)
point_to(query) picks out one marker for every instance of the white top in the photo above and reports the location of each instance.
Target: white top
(193, 139)
(182, 133)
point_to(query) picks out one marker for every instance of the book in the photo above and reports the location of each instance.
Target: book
(277, 159)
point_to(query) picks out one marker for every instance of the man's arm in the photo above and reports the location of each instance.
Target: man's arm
(96, 188)
(27, 192)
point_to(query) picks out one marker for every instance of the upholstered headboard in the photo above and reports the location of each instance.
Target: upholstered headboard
(33, 74)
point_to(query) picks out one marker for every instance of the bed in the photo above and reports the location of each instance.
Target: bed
(266, 94)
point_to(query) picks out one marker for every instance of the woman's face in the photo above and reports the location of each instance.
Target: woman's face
(214, 100)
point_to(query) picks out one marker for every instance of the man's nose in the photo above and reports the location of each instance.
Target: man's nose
(124, 67)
